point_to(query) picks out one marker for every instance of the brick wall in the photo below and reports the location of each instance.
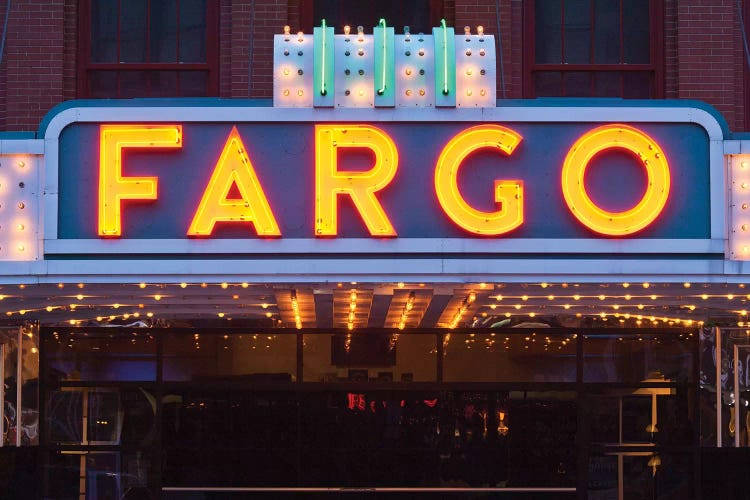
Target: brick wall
(70, 49)
(709, 57)
(270, 18)
(671, 62)
(33, 62)
(251, 57)
(241, 23)
(703, 52)
(3, 72)
(474, 13)
(512, 26)
(225, 48)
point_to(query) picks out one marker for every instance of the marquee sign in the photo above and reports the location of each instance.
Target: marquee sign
(249, 180)
(234, 194)
(383, 156)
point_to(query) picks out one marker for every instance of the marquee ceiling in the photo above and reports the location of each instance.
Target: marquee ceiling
(381, 305)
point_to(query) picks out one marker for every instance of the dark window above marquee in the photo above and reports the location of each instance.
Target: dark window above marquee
(419, 15)
(593, 48)
(148, 48)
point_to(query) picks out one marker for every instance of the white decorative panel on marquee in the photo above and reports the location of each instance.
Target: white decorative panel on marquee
(19, 210)
(739, 207)
(359, 70)
(293, 70)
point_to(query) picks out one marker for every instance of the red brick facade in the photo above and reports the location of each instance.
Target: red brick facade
(32, 68)
(702, 47)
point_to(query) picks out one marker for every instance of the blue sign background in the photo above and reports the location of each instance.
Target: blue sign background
(282, 155)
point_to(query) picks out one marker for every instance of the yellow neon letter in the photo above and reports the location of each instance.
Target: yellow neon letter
(651, 156)
(361, 186)
(508, 194)
(234, 168)
(113, 187)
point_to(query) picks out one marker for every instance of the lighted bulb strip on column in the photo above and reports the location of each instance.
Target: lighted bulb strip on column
(739, 209)
(18, 234)
(445, 65)
(323, 66)
(384, 65)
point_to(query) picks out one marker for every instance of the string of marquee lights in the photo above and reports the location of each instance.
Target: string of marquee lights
(350, 320)
(627, 306)
(462, 309)
(408, 307)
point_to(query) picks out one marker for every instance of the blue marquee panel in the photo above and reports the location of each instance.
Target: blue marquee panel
(283, 157)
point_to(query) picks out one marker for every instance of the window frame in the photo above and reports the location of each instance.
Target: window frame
(656, 53)
(84, 64)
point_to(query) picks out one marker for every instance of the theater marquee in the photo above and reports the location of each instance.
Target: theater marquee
(558, 186)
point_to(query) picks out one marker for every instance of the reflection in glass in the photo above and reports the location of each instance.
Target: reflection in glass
(132, 84)
(114, 355)
(133, 34)
(625, 357)
(192, 31)
(577, 32)
(548, 30)
(381, 357)
(635, 27)
(548, 84)
(530, 356)
(65, 416)
(636, 84)
(229, 438)
(105, 474)
(193, 83)
(251, 356)
(104, 31)
(607, 32)
(607, 84)
(163, 31)
(104, 416)
(577, 83)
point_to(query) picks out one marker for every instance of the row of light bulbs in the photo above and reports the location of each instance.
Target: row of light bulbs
(743, 227)
(20, 226)
(482, 286)
(361, 33)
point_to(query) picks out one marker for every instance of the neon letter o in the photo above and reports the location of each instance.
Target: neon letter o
(651, 156)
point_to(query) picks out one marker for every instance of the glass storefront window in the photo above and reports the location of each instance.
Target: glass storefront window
(101, 416)
(542, 436)
(370, 411)
(640, 475)
(116, 354)
(627, 357)
(734, 400)
(98, 474)
(533, 356)
(258, 357)
(19, 394)
(229, 438)
(376, 357)
(641, 416)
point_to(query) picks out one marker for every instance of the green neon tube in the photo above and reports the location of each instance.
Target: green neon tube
(323, 90)
(381, 23)
(445, 57)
